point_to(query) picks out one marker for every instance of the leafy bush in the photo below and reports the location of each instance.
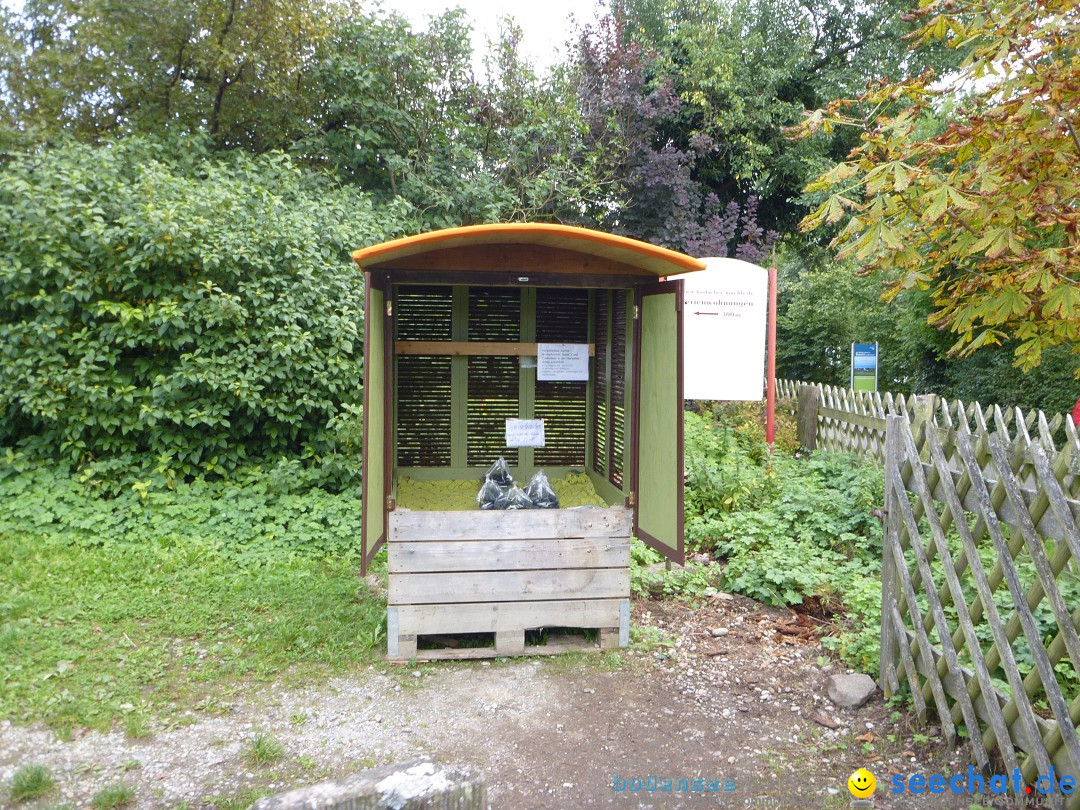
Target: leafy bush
(257, 515)
(788, 526)
(723, 473)
(166, 313)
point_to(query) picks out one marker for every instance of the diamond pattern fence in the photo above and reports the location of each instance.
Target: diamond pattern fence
(981, 568)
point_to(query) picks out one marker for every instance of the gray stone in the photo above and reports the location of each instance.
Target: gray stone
(418, 785)
(850, 691)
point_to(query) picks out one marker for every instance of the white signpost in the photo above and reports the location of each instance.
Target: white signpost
(724, 310)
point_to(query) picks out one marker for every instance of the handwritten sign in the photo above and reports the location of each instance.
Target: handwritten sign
(562, 361)
(524, 432)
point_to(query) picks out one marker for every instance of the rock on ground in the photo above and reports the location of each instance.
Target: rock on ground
(850, 691)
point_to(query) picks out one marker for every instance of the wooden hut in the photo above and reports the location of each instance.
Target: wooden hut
(454, 322)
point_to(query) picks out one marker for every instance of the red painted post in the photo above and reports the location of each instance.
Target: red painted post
(770, 363)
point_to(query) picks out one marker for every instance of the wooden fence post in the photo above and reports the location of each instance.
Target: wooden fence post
(809, 399)
(923, 413)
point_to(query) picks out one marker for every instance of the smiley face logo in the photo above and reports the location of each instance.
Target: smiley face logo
(862, 784)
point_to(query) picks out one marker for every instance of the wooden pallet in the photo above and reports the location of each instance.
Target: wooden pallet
(503, 573)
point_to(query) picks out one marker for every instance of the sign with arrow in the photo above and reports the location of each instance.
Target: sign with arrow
(725, 308)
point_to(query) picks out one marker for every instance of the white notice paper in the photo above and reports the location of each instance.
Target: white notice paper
(725, 307)
(524, 432)
(562, 361)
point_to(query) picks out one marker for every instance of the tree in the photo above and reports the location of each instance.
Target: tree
(652, 189)
(982, 210)
(231, 68)
(744, 69)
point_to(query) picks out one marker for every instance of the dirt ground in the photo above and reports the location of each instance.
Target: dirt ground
(728, 690)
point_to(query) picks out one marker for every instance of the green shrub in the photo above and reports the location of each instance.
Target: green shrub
(166, 312)
(788, 526)
(257, 515)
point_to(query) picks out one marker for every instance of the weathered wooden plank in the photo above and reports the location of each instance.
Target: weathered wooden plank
(996, 718)
(399, 646)
(470, 348)
(853, 418)
(893, 479)
(910, 669)
(1049, 525)
(1020, 738)
(509, 642)
(809, 402)
(555, 647)
(624, 623)
(1005, 561)
(920, 487)
(1060, 761)
(508, 555)
(889, 650)
(1042, 662)
(524, 524)
(508, 586)
(491, 617)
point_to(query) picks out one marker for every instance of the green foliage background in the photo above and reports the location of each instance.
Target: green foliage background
(168, 312)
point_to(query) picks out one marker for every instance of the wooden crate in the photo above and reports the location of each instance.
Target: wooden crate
(504, 573)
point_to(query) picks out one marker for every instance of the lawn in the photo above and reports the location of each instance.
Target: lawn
(151, 623)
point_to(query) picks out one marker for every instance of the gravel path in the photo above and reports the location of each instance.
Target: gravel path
(744, 704)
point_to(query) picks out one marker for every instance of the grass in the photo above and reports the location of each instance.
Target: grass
(239, 801)
(92, 634)
(136, 726)
(31, 782)
(264, 750)
(113, 796)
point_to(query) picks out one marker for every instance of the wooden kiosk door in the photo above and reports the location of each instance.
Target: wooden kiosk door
(378, 417)
(657, 450)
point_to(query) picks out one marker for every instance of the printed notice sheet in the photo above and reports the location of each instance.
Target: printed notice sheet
(562, 361)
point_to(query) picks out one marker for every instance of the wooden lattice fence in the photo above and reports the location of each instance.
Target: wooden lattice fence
(980, 590)
(842, 420)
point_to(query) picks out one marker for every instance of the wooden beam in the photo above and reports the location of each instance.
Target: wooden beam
(458, 348)
(509, 586)
(519, 278)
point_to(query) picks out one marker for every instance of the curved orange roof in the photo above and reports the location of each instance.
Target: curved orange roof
(658, 260)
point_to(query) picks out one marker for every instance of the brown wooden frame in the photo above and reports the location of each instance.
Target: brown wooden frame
(660, 287)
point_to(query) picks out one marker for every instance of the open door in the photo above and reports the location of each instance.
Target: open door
(377, 388)
(657, 450)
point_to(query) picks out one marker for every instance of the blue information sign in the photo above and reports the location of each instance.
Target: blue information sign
(864, 366)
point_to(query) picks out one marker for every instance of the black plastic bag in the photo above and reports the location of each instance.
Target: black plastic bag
(540, 492)
(499, 472)
(491, 495)
(517, 499)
